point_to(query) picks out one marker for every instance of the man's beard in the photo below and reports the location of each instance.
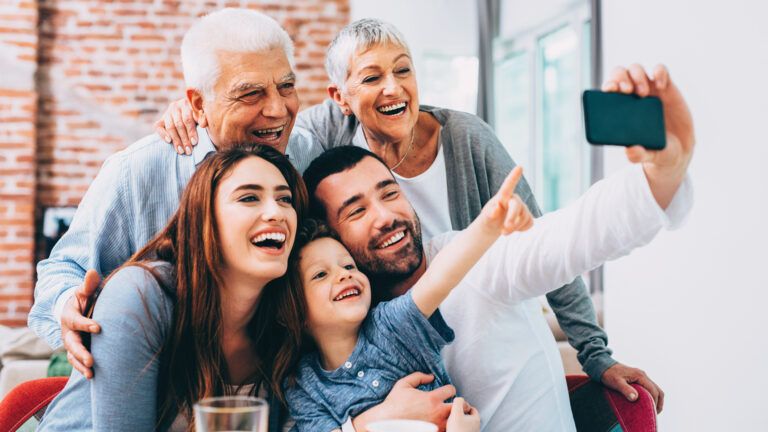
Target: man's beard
(398, 267)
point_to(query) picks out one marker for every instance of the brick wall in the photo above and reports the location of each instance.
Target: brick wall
(104, 71)
(18, 106)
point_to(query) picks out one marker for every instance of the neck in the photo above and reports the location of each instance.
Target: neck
(336, 346)
(239, 299)
(391, 286)
(391, 150)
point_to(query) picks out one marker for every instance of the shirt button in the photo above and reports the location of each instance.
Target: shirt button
(360, 374)
(348, 365)
(375, 383)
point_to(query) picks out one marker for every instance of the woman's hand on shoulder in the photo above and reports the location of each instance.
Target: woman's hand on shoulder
(177, 127)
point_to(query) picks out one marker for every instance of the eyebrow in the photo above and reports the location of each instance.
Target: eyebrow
(357, 197)
(258, 187)
(252, 86)
(376, 67)
(247, 86)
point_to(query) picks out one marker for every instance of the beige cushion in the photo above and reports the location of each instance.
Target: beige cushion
(21, 344)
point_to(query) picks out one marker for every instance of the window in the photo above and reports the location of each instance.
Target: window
(539, 74)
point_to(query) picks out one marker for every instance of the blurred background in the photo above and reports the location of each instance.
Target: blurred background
(82, 79)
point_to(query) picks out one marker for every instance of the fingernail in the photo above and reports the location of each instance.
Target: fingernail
(633, 396)
(189, 150)
(625, 86)
(179, 149)
(194, 141)
(93, 328)
(167, 139)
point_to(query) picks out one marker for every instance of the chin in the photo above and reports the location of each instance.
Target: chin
(270, 272)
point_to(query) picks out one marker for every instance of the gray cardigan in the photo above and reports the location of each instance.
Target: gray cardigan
(476, 165)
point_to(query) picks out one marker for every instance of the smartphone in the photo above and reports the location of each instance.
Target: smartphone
(624, 120)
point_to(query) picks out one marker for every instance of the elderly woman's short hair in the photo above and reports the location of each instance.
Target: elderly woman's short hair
(230, 29)
(359, 35)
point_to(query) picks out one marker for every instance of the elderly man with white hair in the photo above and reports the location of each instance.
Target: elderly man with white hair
(240, 84)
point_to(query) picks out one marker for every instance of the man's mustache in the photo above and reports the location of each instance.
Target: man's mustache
(385, 232)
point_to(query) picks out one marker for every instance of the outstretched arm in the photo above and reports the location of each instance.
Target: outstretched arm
(505, 213)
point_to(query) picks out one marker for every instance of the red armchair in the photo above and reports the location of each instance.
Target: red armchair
(28, 399)
(598, 409)
(595, 408)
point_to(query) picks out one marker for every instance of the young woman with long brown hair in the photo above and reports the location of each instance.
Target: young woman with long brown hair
(192, 314)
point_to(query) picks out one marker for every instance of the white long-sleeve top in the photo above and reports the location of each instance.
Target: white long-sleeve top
(504, 359)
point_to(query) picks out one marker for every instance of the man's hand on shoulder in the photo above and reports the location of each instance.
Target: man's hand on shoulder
(619, 377)
(73, 322)
(406, 401)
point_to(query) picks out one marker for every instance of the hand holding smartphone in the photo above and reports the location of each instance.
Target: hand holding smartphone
(624, 120)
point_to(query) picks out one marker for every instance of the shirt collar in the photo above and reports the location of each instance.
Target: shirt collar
(204, 146)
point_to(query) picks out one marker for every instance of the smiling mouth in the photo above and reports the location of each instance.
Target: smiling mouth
(391, 240)
(347, 293)
(270, 134)
(273, 241)
(394, 109)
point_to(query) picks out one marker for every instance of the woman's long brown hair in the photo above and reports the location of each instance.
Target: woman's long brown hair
(192, 363)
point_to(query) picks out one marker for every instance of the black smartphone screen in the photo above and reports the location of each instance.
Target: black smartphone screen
(624, 120)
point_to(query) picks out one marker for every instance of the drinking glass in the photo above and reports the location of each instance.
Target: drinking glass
(232, 414)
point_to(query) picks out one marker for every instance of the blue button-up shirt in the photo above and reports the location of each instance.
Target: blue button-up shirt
(132, 198)
(395, 340)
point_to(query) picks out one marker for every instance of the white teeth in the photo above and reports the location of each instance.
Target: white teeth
(347, 293)
(273, 130)
(276, 236)
(392, 240)
(392, 107)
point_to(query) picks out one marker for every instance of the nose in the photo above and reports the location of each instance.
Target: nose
(272, 211)
(391, 85)
(343, 274)
(383, 217)
(274, 106)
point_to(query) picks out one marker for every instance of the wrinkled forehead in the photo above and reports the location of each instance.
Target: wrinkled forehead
(263, 67)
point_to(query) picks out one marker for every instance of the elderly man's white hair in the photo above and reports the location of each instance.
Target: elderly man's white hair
(230, 29)
(359, 35)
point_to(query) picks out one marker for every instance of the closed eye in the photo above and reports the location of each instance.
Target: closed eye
(370, 79)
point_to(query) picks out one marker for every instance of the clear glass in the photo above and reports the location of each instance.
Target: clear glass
(232, 414)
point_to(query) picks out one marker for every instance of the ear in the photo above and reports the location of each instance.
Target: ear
(196, 101)
(335, 93)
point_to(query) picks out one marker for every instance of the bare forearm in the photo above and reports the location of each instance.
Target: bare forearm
(451, 265)
(664, 182)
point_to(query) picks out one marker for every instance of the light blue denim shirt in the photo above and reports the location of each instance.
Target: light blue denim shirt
(394, 341)
(131, 199)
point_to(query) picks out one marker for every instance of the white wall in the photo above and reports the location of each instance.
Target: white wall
(690, 308)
